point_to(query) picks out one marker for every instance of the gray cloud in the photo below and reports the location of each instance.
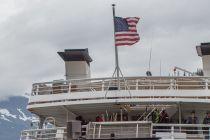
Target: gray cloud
(34, 31)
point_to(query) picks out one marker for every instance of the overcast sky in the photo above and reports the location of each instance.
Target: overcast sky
(33, 31)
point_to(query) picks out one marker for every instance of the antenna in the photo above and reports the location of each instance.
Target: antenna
(160, 67)
(150, 57)
(149, 73)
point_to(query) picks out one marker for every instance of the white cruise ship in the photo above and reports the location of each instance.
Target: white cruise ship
(144, 107)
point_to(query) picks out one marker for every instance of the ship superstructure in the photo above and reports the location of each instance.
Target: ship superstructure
(104, 108)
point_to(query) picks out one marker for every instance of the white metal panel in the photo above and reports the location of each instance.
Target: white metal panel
(206, 65)
(98, 97)
(77, 69)
(98, 94)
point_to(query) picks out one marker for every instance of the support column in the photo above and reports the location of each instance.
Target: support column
(180, 113)
(121, 114)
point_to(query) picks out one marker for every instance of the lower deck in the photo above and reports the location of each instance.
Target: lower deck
(123, 120)
(121, 130)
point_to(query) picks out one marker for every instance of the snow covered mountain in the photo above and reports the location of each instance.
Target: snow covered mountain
(14, 117)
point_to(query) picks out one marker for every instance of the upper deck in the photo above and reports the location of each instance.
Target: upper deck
(127, 83)
(106, 88)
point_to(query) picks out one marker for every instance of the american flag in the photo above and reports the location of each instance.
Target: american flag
(125, 31)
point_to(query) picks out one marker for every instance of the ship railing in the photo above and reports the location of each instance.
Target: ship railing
(181, 131)
(129, 83)
(125, 129)
(58, 133)
(145, 129)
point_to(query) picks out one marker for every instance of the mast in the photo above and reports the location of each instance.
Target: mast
(116, 51)
(150, 57)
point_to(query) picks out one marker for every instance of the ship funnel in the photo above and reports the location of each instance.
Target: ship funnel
(77, 63)
(204, 51)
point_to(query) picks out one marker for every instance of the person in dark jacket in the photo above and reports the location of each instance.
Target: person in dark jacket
(192, 120)
(164, 117)
(206, 120)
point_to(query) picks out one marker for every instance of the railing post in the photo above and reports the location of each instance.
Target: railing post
(172, 132)
(37, 89)
(69, 87)
(94, 131)
(151, 131)
(209, 134)
(150, 84)
(171, 84)
(99, 132)
(27, 136)
(206, 84)
(121, 114)
(137, 84)
(126, 86)
(137, 130)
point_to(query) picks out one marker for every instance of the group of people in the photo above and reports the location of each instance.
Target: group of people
(194, 120)
(160, 116)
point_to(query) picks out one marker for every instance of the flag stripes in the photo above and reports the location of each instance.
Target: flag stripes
(126, 32)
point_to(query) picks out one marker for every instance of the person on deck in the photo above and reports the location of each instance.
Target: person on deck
(206, 120)
(99, 119)
(155, 116)
(192, 120)
(164, 117)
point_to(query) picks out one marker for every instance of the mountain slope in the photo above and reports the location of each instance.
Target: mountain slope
(14, 117)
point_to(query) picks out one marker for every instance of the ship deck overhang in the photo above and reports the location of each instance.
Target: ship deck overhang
(66, 107)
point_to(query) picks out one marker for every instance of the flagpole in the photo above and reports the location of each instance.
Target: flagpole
(116, 50)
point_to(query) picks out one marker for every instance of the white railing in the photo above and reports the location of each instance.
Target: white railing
(126, 129)
(181, 131)
(129, 83)
(144, 129)
(58, 133)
